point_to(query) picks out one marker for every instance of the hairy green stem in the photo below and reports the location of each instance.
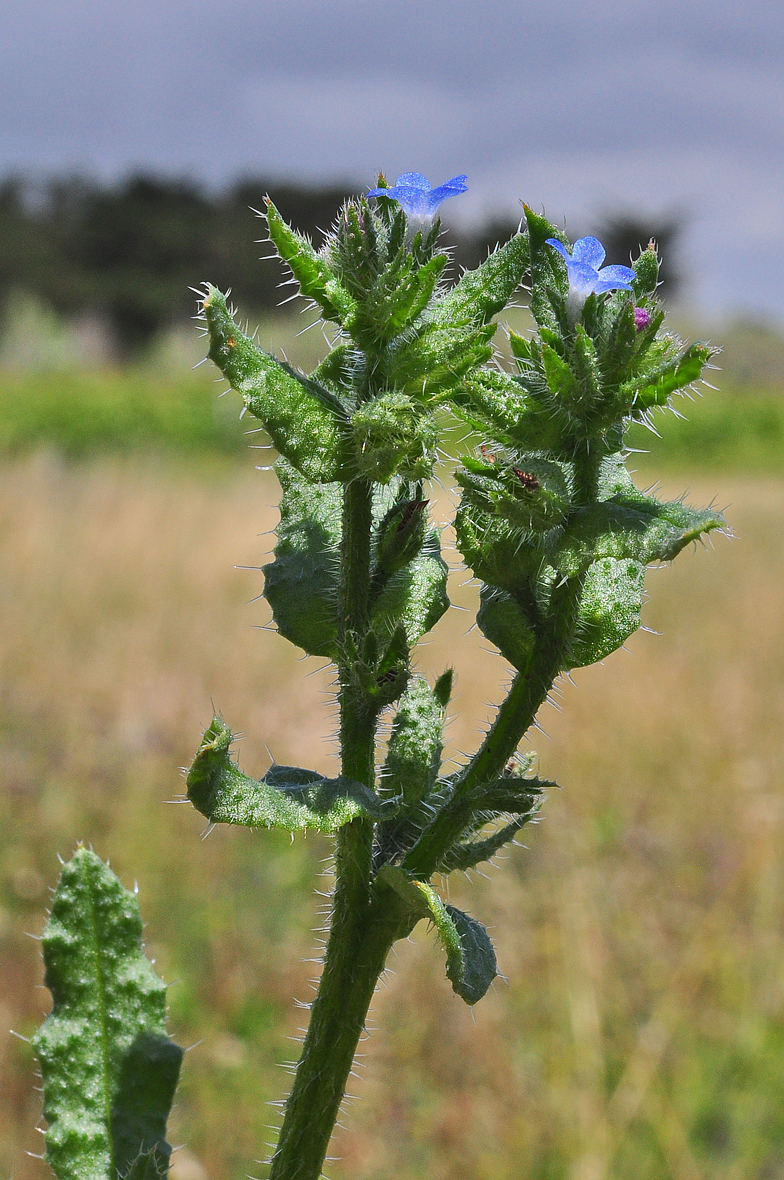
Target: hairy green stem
(515, 716)
(360, 935)
(355, 958)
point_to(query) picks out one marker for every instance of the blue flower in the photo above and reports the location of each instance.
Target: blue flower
(415, 196)
(585, 277)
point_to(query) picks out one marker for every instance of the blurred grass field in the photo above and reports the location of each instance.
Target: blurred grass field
(639, 1031)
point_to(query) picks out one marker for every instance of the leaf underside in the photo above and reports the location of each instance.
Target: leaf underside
(470, 959)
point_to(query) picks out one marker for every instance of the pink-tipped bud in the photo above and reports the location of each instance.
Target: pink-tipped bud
(642, 318)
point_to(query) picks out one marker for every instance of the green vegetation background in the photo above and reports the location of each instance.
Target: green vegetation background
(640, 1030)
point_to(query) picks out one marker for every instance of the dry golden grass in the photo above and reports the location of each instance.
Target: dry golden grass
(640, 1029)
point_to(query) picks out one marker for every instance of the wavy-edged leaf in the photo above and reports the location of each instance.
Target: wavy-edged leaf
(610, 610)
(470, 959)
(315, 278)
(305, 421)
(109, 1070)
(287, 797)
(301, 584)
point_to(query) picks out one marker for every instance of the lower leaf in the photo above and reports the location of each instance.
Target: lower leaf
(470, 959)
(109, 1070)
(287, 797)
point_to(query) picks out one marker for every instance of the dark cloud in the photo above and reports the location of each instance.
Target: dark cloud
(580, 105)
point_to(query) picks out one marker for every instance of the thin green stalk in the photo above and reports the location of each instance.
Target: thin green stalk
(530, 687)
(515, 716)
(526, 696)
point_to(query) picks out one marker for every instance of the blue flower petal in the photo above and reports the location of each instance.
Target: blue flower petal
(450, 189)
(413, 180)
(559, 246)
(589, 250)
(614, 278)
(582, 278)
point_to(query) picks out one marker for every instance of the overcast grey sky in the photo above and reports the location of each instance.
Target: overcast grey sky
(579, 106)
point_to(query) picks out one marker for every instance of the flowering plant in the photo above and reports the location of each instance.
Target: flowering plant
(549, 521)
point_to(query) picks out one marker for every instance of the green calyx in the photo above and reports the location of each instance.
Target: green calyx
(393, 435)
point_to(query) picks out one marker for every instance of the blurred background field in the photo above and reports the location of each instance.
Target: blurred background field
(639, 1030)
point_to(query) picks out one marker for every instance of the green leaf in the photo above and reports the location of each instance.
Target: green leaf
(504, 623)
(646, 273)
(410, 772)
(436, 359)
(483, 292)
(561, 381)
(414, 596)
(637, 527)
(586, 369)
(336, 371)
(521, 348)
(470, 959)
(498, 404)
(462, 857)
(498, 553)
(655, 388)
(527, 491)
(399, 538)
(109, 1070)
(610, 610)
(316, 280)
(301, 584)
(393, 435)
(548, 274)
(396, 299)
(305, 421)
(287, 797)
(416, 742)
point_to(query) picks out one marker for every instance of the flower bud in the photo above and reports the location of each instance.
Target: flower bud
(393, 436)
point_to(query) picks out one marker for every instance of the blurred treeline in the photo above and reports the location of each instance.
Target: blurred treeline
(128, 254)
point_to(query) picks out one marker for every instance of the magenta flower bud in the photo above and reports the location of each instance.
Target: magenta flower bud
(642, 318)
